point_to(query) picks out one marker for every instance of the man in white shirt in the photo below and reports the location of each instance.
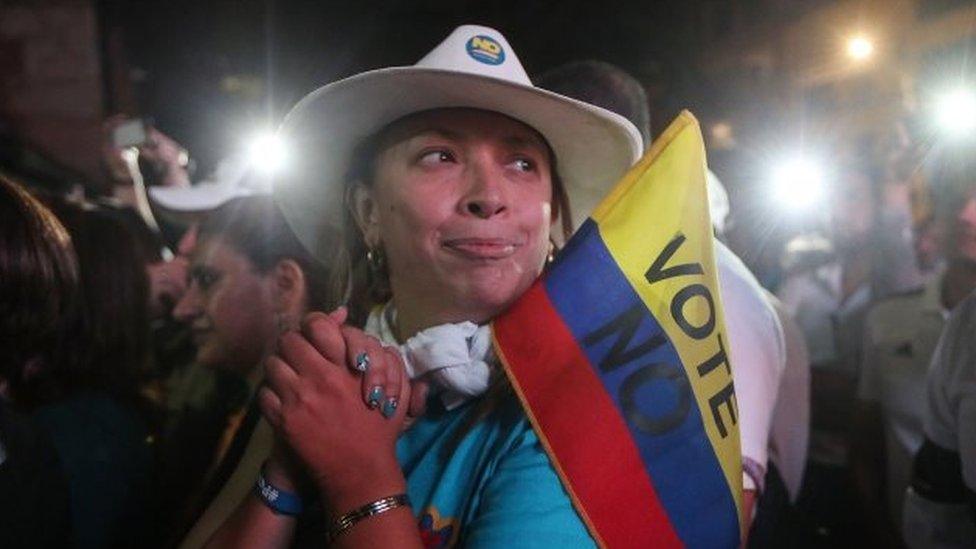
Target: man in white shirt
(755, 336)
(940, 506)
(789, 434)
(900, 336)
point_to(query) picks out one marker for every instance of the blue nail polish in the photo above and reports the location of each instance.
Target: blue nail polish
(375, 395)
(389, 407)
(362, 361)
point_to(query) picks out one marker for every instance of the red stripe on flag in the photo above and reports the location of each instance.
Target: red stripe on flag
(583, 432)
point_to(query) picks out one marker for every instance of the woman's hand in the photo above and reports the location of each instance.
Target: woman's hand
(316, 403)
(162, 152)
(383, 377)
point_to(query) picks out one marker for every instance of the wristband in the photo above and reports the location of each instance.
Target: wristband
(377, 507)
(278, 500)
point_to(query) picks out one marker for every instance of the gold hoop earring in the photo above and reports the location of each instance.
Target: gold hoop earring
(375, 260)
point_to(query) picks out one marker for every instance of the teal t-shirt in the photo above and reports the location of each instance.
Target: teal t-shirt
(486, 484)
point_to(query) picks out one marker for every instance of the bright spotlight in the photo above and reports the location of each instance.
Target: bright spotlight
(266, 153)
(956, 112)
(860, 48)
(798, 183)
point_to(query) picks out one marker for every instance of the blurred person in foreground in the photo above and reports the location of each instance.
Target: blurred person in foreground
(940, 505)
(159, 162)
(250, 280)
(134, 171)
(100, 423)
(38, 290)
(900, 336)
(756, 342)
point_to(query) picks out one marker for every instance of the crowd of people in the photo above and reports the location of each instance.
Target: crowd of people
(303, 358)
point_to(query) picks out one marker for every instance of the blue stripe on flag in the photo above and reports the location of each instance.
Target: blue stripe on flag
(681, 462)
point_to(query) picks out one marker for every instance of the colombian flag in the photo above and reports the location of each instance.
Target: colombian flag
(619, 356)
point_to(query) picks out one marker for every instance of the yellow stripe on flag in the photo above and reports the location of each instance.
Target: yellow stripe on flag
(659, 208)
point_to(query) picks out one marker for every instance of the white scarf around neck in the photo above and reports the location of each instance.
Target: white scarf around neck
(456, 358)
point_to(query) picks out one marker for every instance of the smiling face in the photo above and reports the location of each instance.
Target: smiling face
(229, 306)
(460, 203)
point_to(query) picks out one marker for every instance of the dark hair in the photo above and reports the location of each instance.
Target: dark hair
(604, 85)
(38, 295)
(369, 288)
(112, 343)
(255, 227)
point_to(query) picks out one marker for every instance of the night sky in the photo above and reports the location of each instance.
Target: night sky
(209, 73)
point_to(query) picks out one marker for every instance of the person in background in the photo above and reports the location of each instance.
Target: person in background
(828, 298)
(789, 432)
(159, 162)
(755, 336)
(940, 505)
(900, 335)
(162, 160)
(196, 401)
(38, 289)
(901, 264)
(199, 401)
(607, 86)
(777, 521)
(98, 420)
(189, 389)
(250, 279)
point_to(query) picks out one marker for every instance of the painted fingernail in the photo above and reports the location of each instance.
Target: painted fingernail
(375, 395)
(362, 361)
(389, 407)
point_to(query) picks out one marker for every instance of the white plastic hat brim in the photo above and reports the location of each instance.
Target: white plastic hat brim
(593, 147)
(197, 199)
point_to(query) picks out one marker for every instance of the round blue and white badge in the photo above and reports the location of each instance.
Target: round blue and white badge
(486, 49)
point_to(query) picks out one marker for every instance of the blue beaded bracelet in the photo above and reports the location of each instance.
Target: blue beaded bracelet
(278, 500)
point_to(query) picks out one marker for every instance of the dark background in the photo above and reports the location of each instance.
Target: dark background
(209, 71)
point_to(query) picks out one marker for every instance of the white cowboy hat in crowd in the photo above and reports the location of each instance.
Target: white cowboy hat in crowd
(229, 181)
(475, 68)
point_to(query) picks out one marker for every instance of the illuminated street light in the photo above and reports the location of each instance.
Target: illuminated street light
(860, 48)
(955, 112)
(266, 153)
(798, 183)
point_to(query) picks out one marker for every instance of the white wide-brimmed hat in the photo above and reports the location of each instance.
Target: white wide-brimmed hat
(475, 68)
(229, 181)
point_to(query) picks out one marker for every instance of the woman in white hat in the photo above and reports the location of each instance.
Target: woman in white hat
(448, 176)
